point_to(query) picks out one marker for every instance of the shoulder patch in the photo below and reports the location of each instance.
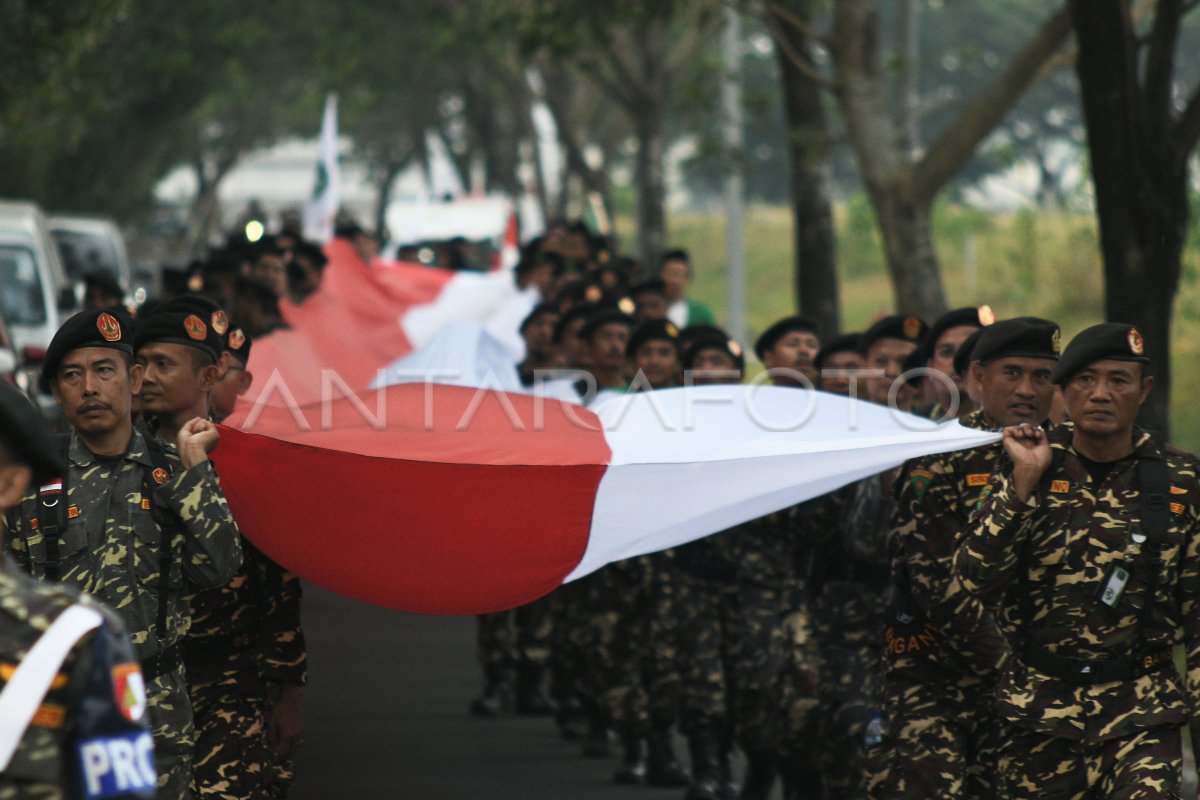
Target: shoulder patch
(129, 691)
(920, 479)
(1178, 489)
(1178, 508)
(978, 479)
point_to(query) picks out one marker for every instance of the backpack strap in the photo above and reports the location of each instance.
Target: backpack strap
(24, 692)
(166, 522)
(52, 501)
(1153, 481)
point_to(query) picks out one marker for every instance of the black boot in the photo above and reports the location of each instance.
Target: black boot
(662, 767)
(707, 778)
(761, 768)
(633, 762)
(532, 700)
(497, 697)
(595, 743)
(571, 719)
(802, 784)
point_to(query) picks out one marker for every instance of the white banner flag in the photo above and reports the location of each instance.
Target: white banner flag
(321, 210)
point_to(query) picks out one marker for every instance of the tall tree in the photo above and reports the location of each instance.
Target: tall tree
(808, 143)
(634, 50)
(1141, 133)
(901, 184)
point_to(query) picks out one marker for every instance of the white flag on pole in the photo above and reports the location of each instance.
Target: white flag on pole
(321, 209)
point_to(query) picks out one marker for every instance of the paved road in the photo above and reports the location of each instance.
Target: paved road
(387, 718)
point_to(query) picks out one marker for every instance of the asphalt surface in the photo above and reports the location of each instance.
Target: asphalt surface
(386, 713)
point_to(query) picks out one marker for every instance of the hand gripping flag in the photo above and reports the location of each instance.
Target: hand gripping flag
(453, 500)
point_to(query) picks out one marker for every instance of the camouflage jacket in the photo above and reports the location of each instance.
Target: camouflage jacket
(1045, 562)
(90, 702)
(249, 627)
(111, 545)
(847, 532)
(932, 624)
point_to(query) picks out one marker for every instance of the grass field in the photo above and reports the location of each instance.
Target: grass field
(1029, 262)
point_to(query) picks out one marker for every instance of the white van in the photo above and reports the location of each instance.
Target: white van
(35, 295)
(90, 244)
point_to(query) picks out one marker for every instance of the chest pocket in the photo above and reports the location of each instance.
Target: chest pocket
(154, 556)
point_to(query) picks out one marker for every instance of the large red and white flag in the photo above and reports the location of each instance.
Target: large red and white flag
(457, 500)
(453, 500)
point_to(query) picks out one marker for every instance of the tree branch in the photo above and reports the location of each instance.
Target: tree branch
(797, 59)
(1158, 78)
(784, 14)
(613, 88)
(963, 136)
(1187, 129)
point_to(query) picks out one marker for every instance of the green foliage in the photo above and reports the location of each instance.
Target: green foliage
(1068, 278)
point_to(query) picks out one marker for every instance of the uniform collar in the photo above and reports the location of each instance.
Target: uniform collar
(137, 451)
(1144, 444)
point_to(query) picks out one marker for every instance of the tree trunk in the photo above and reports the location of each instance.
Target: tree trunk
(903, 217)
(651, 185)
(1140, 176)
(383, 194)
(815, 270)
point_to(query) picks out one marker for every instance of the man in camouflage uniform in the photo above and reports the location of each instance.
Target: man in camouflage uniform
(513, 648)
(244, 653)
(137, 524)
(850, 579)
(642, 690)
(94, 703)
(937, 682)
(1091, 542)
(775, 665)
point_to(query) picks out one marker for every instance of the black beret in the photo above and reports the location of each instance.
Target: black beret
(971, 316)
(112, 328)
(1108, 341)
(698, 331)
(605, 316)
(105, 281)
(723, 343)
(180, 326)
(577, 313)
(540, 310)
(25, 435)
(846, 342)
(771, 336)
(652, 330)
(238, 344)
(905, 327)
(962, 356)
(652, 286)
(204, 307)
(1019, 337)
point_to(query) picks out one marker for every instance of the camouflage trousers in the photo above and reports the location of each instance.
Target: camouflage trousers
(847, 620)
(707, 614)
(583, 622)
(233, 760)
(1146, 766)
(942, 736)
(518, 635)
(173, 732)
(640, 659)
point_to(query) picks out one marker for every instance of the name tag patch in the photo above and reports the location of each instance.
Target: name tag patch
(1177, 508)
(1058, 487)
(117, 765)
(977, 479)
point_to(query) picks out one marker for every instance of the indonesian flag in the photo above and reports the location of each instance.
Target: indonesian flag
(454, 500)
(460, 499)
